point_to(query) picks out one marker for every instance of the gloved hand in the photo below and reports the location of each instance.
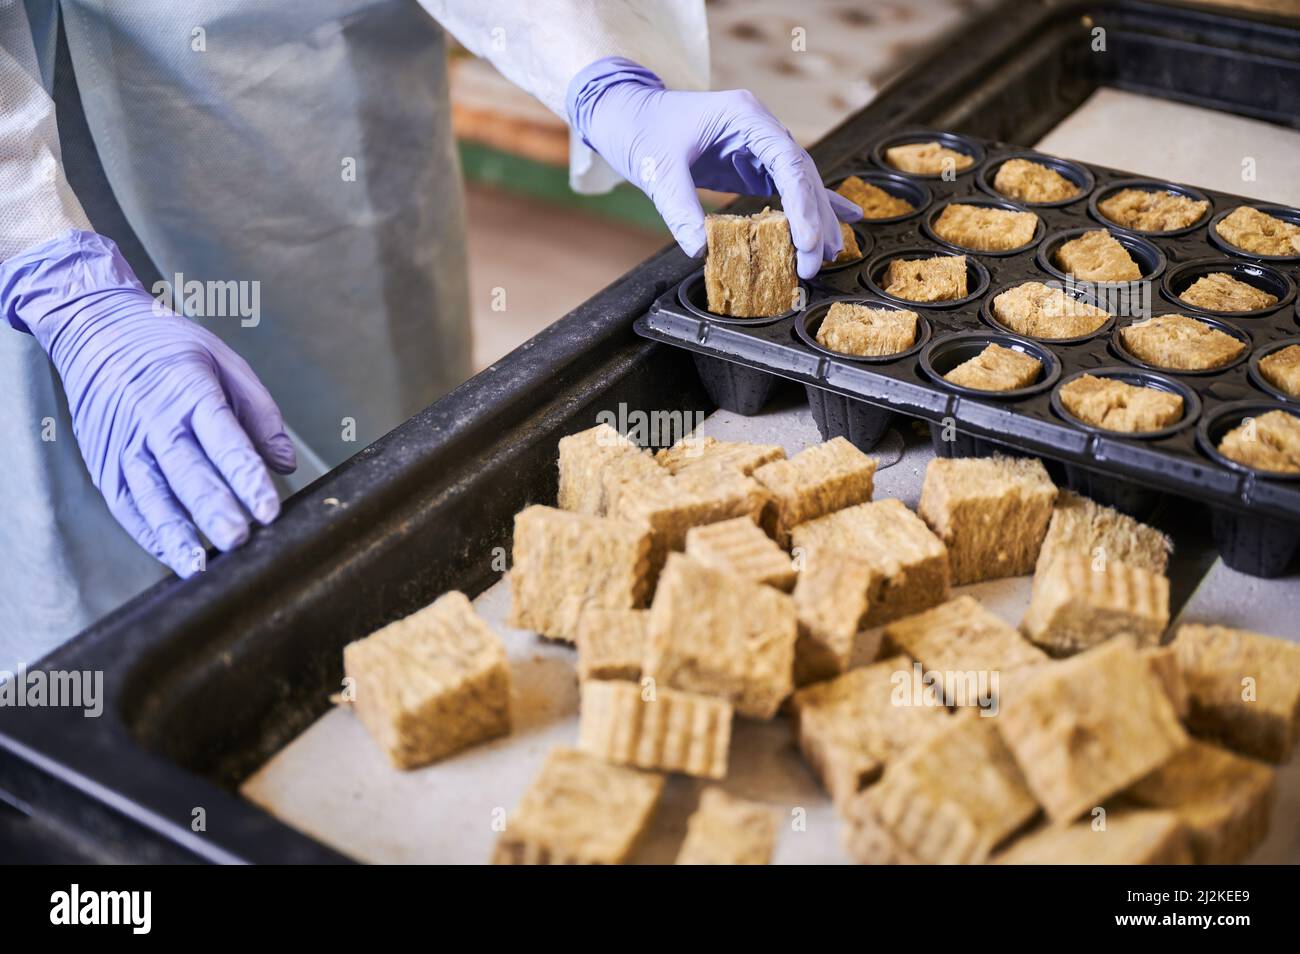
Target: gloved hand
(173, 425)
(667, 143)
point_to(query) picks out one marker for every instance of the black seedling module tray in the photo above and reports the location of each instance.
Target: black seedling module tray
(1256, 514)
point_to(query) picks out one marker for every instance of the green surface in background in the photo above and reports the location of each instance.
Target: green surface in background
(502, 170)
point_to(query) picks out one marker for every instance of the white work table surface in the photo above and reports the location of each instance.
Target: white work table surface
(334, 784)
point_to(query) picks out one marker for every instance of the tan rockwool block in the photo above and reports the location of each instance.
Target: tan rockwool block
(1251, 230)
(850, 252)
(996, 369)
(701, 452)
(1268, 442)
(1219, 291)
(1281, 369)
(864, 331)
(669, 731)
(990, 512)
(590, 458)
(1180, 343)
(1085, 729)
(949, 799)
(853, 726)
(910, 562)
(565, 563)
(1225, 800)
(1078, 603)
(1080, 525)
(611, 643)
(961, 635)
(579, 810)
(432, 683)
(927, 158)
(738, 546)
(726, 830)
(830, 601)
(874, 201)
(941, 278)
(750, 268)
(1032, 182)
(1118, 406)
(819, 479)
(1163, 663)
(1152, 210)
(719, 635)
(1046, 311)
(984, 228)
(1097, 256)
(1129, 838)
(1244, 688)
(671, 504)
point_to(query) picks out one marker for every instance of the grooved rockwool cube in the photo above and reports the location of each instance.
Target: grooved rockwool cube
(663, 729)
(750, 268)
(717, 634)
(990, 512)
(432, 683)
(1225, 800)
(1086, 728)
(700, 452)
(611, 643)
(579, 810)
(1133, 837)
(1079, 602)
(916, 813)
(910, 562)
(726, 830)
(738, 546)
(671, 504)
(592, 457)
(961, 635)
(565, 563)
(851, 727)
(814, 482)
(831, 602)
(1244, 688)
(1082, 526)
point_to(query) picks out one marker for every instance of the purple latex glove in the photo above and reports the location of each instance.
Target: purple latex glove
(667, 143)
(173, 425)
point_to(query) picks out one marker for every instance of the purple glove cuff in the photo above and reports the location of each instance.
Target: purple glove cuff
(590, 83)
(42, 280)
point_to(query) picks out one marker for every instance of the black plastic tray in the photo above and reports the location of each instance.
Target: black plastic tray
(739, 359)
(205, 679)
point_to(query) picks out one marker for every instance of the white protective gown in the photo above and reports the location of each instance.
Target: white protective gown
(302, 148)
